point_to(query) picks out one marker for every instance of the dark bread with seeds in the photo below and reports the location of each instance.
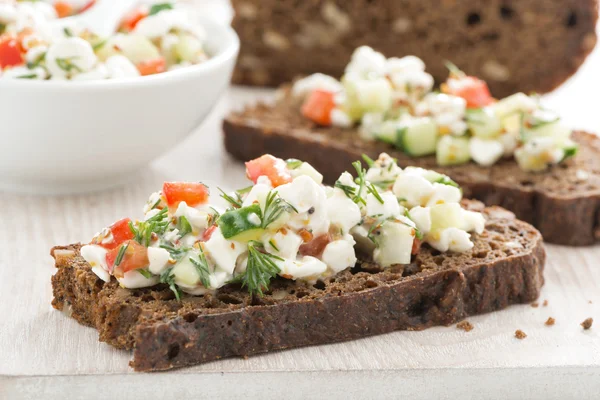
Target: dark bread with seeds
(526, 45)
(505, 267)
(563, 203)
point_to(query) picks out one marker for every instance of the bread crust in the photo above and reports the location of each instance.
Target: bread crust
(505, 267)
(562, 205)
(526, 45)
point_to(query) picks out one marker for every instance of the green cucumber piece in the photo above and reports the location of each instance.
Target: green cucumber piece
(420, 137)
(484, 123)
(447, 215)
(236, 224)
(452, 150)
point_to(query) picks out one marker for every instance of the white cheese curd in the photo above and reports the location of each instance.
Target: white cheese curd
(197, 219)
(395, 242)
(538, 153)
(510, 142)
(308, 268)
(339, 254)
(373, 95)
(384, 169)
(309, 199)
(473, 221)
(258, 193)
(97, 73)
(413, 189)
(283, 243)
(159, 260)
(224, 252)
(518, 102)
(69, 56)
(95, 255)
(120, 67)
(409, 79)
(35, 54)
(370, 125)
(342, 211)
(307, 170)
(25, 73)
(172, 236)
(366, 62)
(305, 86)
(421, 216)
(444, 194)
(450, 239)
(159, 25)
(101, 273)
(340, 118)
(134, 280)
(485, 152)
(447, 111)
(388, 208)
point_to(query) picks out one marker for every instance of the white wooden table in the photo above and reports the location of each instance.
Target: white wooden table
(45, 355)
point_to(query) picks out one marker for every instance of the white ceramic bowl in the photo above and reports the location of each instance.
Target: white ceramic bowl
(65, 137)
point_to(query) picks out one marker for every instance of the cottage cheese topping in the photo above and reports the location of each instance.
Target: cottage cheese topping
(154, 38)
(287, 223)
(392, 100)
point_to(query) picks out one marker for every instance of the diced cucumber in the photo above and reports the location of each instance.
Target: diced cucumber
(420, 137)
(452, 150)
(484, 123)
(391, 133)
(554, 129)
(516, 103)
(185, 272)
(136, 48)
(367, 95)
(446, 215)
(394, 244)
(188, 48)
(242, 224)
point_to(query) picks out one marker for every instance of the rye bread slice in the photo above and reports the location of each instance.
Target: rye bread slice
(563, 203)
(505, 267)
(525, 45)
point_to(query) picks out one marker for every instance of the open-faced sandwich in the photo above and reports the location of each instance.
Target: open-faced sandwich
(292, 262)
(510, 152)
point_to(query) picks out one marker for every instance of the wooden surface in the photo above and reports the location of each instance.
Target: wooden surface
(44, 354)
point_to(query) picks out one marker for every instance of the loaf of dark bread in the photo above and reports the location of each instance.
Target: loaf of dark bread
(505, 267)
(526, 45)
(563, 203)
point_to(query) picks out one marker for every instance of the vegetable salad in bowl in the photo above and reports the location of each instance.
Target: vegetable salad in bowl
(152, 38)
(393, 100)
(286, 224)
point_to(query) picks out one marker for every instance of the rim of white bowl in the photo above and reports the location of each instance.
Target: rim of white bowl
(221, 54)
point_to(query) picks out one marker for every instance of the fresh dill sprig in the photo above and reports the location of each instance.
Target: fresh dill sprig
(176, 253)
(121, 254)
(167, 277)
(444, 180)
(418, 233)
(274, 207)
(260, 269)
(156, 224)
(384, 184)
(370, 162)
(373, 190)
(273, 245)
(147, 274)
(67, 65)
(184, 226)
(292, 163)
(235, 202)
(360, 181)
(202, 268)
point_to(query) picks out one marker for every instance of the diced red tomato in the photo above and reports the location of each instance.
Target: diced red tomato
(316, 246)
(63, 9)
(120, 233)
(272, 167)
(151, 67)
(317, 107)
(193, 193)
(416, 246)
(86, 7)
(131, 19)
(208, 233)
(10, 52)
(134, 257)
(474, 90)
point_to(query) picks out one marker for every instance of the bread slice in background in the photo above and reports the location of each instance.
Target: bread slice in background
(504, 267)
(525, 45)
(563, 203)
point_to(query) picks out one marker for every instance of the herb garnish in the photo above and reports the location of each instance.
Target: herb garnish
(360, 181)
(168, 278)
(67, 65)
(36, 63)
(272, 243)
(147, 274)
(371, 189)
(274, 207)
(570, 152)
(68, 32)
(184, 226)
(202, 268)
(156, 224)
(235, 202)
(370, 162)
(156, 8)
(176, 253)
(292, 163)
(28, 76)
(418, 233)
(445, 180)
(121, 254)
(261, 268)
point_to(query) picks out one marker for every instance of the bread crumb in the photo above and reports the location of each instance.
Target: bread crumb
(465, 326)
(550, 321)
(519, 334)
(545, 303)
(587, 324)
(535, 305)
(590, 302)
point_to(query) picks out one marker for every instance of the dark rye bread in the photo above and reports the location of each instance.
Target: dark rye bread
(505, 267)
(562, 205)
(524, 45)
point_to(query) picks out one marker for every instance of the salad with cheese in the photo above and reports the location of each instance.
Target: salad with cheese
(154, 38)
(286, 224)
(392, 100)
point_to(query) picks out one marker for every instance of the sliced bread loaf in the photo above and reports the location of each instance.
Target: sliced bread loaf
(527, 45)
(563, 203)
(504, 267)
